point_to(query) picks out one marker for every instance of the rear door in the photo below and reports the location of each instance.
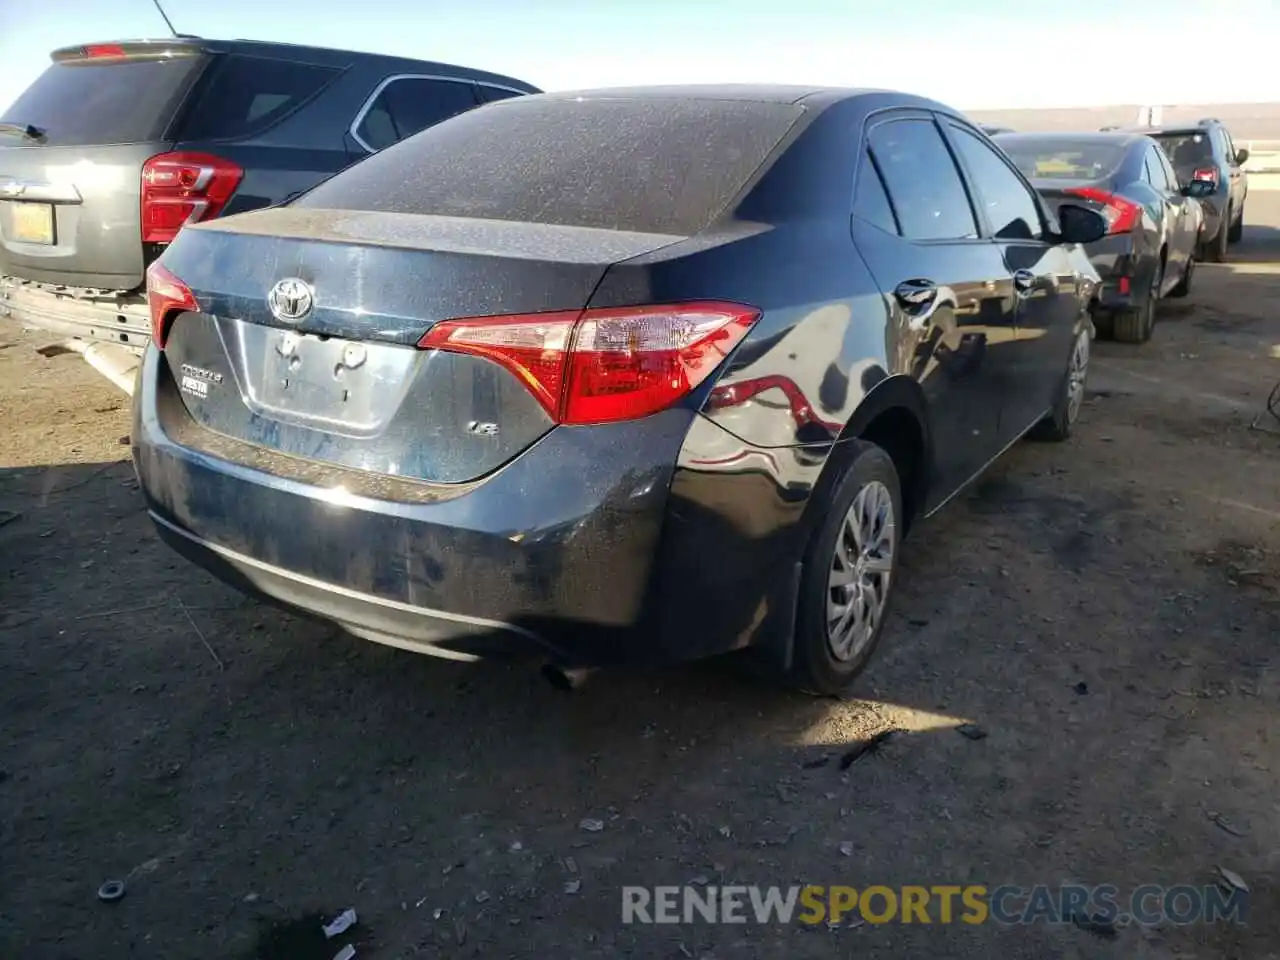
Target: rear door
(1044, 281)
(1181, 223)
(70, 192)
(949, 293)
(1239, 180)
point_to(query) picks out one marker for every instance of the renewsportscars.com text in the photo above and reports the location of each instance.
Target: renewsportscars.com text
(937, 904)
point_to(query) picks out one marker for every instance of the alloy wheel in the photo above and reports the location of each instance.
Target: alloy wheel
(1149, 313)
(861, 570)
(1077, 374)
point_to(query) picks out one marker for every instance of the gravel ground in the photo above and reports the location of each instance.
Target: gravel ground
(1105, 609)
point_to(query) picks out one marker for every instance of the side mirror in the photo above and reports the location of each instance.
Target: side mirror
(1199, 189)
(1078, 224)
(1242, 155)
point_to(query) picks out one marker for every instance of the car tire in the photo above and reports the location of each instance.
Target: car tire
(1135, 324)
(1104, 324)
(1216, 249)
(1236, 233)
(1184, 285)
(858, 539)
(1057, 426)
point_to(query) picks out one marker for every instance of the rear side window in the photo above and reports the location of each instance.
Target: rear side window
(648, 165)
(82, 102)
(870, 202)
(1224, 143)
(243, 96)
(409, 105)
(489, 94)
(1230, 144)
(1010, 205)
(1156, 171)
(923, 182)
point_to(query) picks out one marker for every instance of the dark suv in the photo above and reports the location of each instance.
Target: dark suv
(1204, 151)
(117, 145)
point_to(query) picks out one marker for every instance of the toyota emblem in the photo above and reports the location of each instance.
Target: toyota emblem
(291, 299)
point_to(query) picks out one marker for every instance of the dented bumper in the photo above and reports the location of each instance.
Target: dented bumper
(552, 554)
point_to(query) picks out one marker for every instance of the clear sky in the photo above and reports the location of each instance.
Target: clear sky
(967, 53)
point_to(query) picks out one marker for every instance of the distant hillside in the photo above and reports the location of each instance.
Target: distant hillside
(1246, 121)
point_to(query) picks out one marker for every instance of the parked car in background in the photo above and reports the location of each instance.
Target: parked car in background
(1154, 224)
(676, 383)
(1204, 152)
(116, 146)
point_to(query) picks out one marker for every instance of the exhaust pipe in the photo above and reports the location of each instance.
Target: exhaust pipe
(567, 678)
(117, 365)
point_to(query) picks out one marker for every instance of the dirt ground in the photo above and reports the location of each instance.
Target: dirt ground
(1107, 610)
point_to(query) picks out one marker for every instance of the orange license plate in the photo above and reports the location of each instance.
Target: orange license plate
(32, 222)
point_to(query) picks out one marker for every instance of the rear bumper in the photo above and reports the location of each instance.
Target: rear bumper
(1119, 272)
(69, 313)
(413, 627)
(570, 552)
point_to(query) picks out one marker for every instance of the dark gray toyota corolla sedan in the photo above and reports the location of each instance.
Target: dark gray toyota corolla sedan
(615, 377)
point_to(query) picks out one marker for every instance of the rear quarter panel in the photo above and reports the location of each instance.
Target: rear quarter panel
(821, 337)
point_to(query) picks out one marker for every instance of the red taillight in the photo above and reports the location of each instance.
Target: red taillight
(1209, 174)
(600, 366)
(179, 188)
(166, 295)
(1121, 214)
(96, 51)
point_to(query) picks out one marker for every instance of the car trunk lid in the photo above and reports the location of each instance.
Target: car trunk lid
(344, 381)
(72, 149)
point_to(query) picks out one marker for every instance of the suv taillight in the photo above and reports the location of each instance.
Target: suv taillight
(181, 188)
(1208, 174)
(1121, 213)
(604, 365)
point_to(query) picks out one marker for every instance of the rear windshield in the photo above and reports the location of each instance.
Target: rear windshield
(1064, 159)
(81, 102)
(647, 165)
(1186, 150)
(242, 96)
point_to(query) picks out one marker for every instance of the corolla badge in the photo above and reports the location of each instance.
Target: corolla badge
(291, 299)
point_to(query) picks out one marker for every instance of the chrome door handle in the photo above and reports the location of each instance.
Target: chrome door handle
(919, 301)
(1025, 281)
(915, 294)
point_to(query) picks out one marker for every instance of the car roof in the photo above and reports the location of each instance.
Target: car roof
(1177, 128)
(1120, 137)
(304, 53)
(745, 92)
(816, 97)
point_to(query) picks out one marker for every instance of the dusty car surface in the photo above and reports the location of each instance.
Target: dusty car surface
(678, 388)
